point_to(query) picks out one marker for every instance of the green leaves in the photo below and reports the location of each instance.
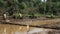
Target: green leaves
(31, 6)
(23, 5)
(2, 3)
(16, 1)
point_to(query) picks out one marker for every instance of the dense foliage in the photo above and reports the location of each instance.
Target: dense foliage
(37, 7)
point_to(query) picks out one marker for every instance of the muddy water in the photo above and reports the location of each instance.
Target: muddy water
(14, 29)
(11, 29)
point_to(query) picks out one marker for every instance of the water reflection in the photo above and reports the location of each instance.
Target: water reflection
(12, 32)
(4, 32)
(17, 32)
(13, 29)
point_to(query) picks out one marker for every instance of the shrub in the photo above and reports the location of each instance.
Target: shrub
(17, 16)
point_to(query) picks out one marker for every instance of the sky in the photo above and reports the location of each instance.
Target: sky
(43, 0)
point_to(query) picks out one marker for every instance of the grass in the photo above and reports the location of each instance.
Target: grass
(38, 14)
(34, 14)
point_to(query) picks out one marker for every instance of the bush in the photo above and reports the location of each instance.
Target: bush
(32, 16)
(50, 16)
(17, 16)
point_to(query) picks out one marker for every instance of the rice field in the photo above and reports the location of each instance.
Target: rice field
(13, 29)
(16, 29)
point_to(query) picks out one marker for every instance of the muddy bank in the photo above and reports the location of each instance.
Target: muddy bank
(50, 23)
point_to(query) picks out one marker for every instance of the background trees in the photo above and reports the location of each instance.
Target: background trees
(37, 7)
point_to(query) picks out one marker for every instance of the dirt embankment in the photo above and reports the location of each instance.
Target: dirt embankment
(47, 23)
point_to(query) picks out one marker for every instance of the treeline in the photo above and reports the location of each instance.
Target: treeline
(28, 7)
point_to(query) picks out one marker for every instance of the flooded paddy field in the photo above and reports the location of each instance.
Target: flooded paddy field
(15, 29)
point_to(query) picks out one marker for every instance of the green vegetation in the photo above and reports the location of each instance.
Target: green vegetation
(27, 7)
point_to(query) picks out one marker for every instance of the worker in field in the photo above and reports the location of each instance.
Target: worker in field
(4, 16)
(20, 16)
